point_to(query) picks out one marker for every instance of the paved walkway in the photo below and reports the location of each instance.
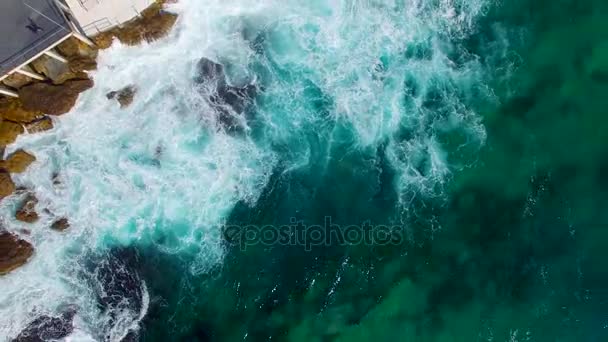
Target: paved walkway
(99, 15)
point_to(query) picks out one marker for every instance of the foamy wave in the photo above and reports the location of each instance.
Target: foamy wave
(164, 173)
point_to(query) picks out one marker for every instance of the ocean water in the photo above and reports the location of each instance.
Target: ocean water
(472, 131)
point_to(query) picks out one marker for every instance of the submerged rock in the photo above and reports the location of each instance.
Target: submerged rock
(48, 328)
(61, 224)
(225, 98)
(27, 211)
(7, 187)
(17, 162)
(115, 279)
(124, 96)
(53, 99)
(14, 252)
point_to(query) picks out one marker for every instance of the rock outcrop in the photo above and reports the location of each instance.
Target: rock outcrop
(154, 23)
(7, 187)
(43, 124)
(27, 211)
(11, 109)
(58, 72)
(61, 224)
(14, 252)
(53, 99)
(17, 162)
(124, 96)
(72, 47)
(9, 131)
(229, 101)
(17, 80)
(48, 328)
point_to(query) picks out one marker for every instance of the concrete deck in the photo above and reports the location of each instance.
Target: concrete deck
(96, 16)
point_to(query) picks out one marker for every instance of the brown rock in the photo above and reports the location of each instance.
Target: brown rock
(55, 70)
(124, 96)
(154, 23)
(61, 224)
(80, 63)
(17, 162)
(53, 99)
(7, 186)
(73, 47)
(12, 109)
(27, 211)
(17, 80)
(9, 132)
(14, 252)
(43, 124)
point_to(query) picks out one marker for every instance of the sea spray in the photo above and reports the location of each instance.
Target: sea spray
(164, 173)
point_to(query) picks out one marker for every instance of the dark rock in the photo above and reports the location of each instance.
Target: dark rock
(115, 279)
(124, 96)
(229, 101)
(48, 328)
(61, 224)
(14, 252)
(53, 99)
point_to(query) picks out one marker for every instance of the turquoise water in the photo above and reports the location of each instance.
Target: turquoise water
(474, 129)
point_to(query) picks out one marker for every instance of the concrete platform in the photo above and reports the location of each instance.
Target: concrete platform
(96, 16)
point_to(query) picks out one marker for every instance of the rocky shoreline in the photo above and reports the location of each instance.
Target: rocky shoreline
(41, 102)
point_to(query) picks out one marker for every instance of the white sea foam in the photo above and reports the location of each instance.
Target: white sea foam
(163, 173)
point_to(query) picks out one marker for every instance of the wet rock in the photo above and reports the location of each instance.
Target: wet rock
(124, 96)
(61, 224)
(17, 162)
(48, 328)
(17, 80)
(115, 279)
(7, 187)
(53, 99)
(9, 131)
(11, 109)
(27, 211)
(210, 75)
(56, 178)
(152, 24)
(14, 252)
(209, 71)
(43, 124)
